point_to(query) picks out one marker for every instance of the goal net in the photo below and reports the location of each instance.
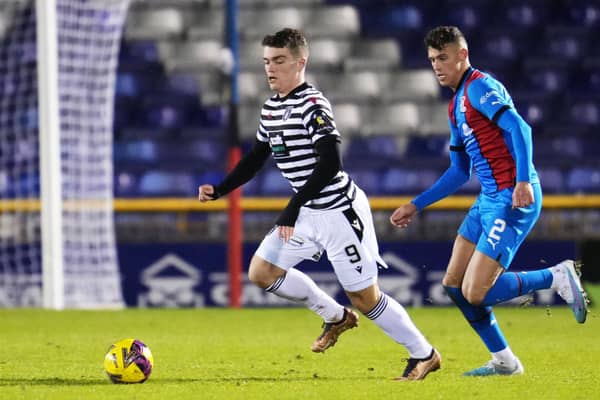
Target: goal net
(80, 228)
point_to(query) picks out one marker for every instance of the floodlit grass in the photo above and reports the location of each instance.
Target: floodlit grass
(264, 354)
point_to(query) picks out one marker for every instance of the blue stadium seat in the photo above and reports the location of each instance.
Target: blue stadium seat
(136, 151)
(585, 113)
(368, 179)
(469, 16)
(274, 184)
(167, 183)
(549, 149)
(537, 110)
(376, 151)
(429, 147)
(544, 80)
(407, 181)
(166, 112)
(583, 13)
(583, 180)
(526, 15)
(552, 179)
(125, 184)
(211, 177)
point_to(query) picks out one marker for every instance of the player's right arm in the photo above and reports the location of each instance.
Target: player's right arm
(455, 176)
(245, 170)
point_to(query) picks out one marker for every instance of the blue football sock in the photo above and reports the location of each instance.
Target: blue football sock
(514, 284)
(482, 320)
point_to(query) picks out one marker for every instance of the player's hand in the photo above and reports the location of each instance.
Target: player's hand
(206, 193)
(285, 232)
(403, 215)
(522, 195)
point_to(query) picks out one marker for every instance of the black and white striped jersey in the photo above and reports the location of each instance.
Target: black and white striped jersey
(292, 125)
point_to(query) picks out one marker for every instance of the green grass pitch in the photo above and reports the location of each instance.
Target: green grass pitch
(265, 354)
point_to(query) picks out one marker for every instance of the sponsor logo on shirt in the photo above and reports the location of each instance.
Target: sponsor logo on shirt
(467, 130)
(483, 99)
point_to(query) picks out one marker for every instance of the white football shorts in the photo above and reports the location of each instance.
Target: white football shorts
(347, 235)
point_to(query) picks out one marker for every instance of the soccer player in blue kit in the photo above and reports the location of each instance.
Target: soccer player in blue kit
(489, 136)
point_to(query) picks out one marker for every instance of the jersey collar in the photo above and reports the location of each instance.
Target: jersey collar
(465, 76)
(297, 89)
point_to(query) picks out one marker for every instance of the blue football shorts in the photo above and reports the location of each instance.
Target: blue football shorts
(497, 228)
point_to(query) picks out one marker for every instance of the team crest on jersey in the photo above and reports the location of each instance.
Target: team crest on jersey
(462, 106)
(288, 112)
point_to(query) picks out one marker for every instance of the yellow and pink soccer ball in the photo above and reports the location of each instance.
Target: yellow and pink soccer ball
(128, 361)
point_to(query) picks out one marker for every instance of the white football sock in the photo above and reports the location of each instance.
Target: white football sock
(298, 287)
(505, 357)
(393, 319)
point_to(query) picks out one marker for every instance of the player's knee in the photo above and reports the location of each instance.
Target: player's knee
(450, 280)
(261, 273)
(364, 300)
(474, 297)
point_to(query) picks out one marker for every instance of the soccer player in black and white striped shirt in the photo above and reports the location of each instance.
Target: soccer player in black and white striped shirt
(327, 212)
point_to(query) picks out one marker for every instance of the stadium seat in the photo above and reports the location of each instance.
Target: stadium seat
(333, 22)
(410, 85)
(538, 110)
(544, 80)
(251, 53)
(585, 112)
(249, 117)
(376, 151)
(205, 55)
(167, 183)
(347, 118)
(407, 181)
(583, 180)
(374, 54)
(136, 151)
(163, 23)
(328, 53)
(361, 86)
(469, 16)
(253, 87)
(552, 179)
(391, 20)
(126, 184)
(398, 118)
(434, 119)
(368, 179)
(165, 112)
(520, 16)
(583, 13)
(565, 43)
(274, 184)
(255, 24)
(427, 147)
(205, 24)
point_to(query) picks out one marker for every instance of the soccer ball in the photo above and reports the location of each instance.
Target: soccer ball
(128, 361)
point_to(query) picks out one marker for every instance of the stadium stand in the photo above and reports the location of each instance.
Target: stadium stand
(371, 63)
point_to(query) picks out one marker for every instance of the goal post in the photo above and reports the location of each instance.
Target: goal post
(49, 154)
(58, 63)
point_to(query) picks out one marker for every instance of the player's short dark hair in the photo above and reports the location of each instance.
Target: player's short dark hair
(441, 36)
(291, 38)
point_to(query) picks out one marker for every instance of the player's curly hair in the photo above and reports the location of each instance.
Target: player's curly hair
(441, 36)
(291, 38)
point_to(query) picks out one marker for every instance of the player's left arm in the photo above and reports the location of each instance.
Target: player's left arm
(328, 165)
(495, 103)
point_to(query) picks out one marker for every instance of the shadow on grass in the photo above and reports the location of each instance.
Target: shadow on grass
(51, 382)
(234, 380)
